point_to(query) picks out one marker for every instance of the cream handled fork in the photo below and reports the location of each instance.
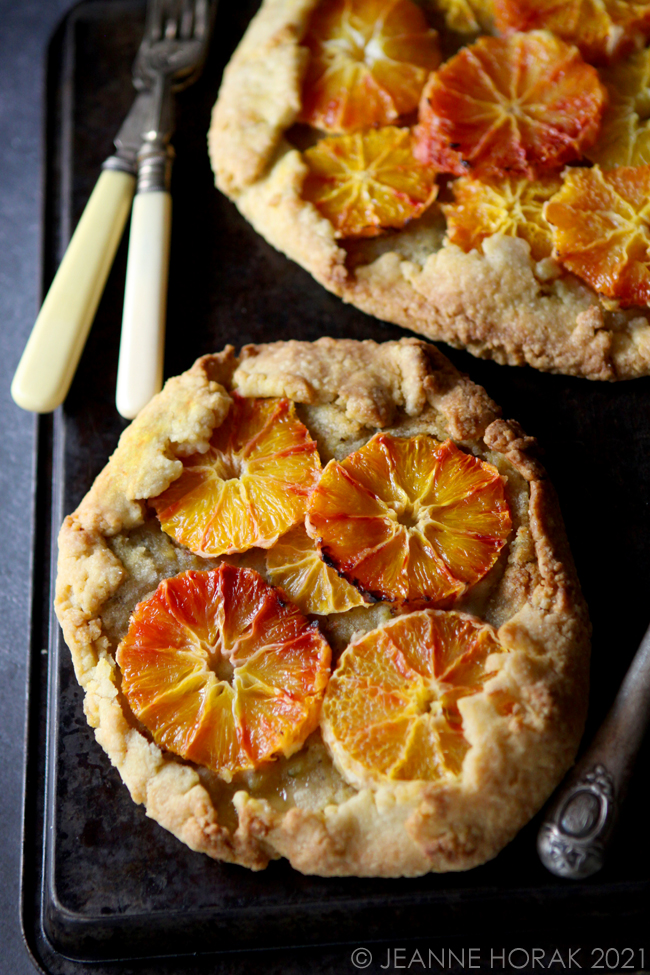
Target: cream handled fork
(51, 356)
(178, 32)
(170, 57)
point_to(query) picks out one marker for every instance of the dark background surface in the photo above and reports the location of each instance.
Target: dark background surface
(597, 451)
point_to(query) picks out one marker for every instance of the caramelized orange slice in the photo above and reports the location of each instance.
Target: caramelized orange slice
(295, 565)
(391, 707)
(508, 206)
(250, 486)
(222, 670)
(513, 105)
(601, 29)
(369, 62)
(624, 138)
(367, 183)
(601, 230)
(410, 520)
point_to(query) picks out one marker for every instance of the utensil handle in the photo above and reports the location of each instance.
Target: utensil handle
(579, 822)
(140, 367)
(54, 348)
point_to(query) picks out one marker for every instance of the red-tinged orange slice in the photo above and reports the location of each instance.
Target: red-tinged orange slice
(510, 206)
(369, 62)
(515, 105)
(249, 488)
(601, 230)
(601, 29)
(410, 520)
(391, 707)
(295, 565)
(624, 138)
(368, 182)
(222, 670)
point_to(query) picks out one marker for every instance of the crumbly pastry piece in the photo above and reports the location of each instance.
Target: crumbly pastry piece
(497, 299)
(504, 703)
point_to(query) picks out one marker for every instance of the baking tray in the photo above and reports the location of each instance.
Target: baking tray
(102, 883)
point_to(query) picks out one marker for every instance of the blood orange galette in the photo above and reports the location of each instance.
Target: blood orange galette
(474, 170)
(321, 605)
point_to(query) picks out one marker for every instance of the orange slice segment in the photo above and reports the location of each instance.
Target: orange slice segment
(508, 206)
(222, 670)
(624, 138)
(368, 182)
(601, 29)
(391, 707)
(601, 230)
(295, 565)
(369, 62)
(467, 16)
(513, 105)
(251, 485)
(410, 520)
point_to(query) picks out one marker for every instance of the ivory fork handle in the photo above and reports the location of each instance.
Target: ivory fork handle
(140, 367)
(51, 356)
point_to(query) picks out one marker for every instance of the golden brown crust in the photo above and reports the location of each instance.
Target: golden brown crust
(497, 303)
(524, 727)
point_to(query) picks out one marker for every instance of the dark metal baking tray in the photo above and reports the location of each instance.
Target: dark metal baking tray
(102, 883)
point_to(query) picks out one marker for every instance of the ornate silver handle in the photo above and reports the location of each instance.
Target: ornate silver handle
(580, 819)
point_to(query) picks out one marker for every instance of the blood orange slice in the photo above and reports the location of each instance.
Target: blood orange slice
(250, 487)
(222, 670)
(601, 29)
(367, 183)
(410, 520)
(295, 565)
(508, 206)
(391, 707)
(513, 105)
(601, 230)
(369, 62)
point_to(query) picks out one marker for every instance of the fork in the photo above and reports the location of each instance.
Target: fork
(170, 58)
(164, 63)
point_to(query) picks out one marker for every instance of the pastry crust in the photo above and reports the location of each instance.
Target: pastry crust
(498, 303)
(112, 553)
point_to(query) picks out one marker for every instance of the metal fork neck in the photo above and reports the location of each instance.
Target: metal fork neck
(156, 155)
(154, 167)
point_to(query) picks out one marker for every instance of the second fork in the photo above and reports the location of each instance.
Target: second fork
(178, 31)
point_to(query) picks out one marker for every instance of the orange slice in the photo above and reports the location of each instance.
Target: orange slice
(508, 206)
(624, 138)
(369, 62)
(601, 29)
(367, 183)
(410, 520)
(513, 105)
(467, 16)
(601, 230)
(391, 707)
(222, 670)
(251, 485)
(295, 565)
